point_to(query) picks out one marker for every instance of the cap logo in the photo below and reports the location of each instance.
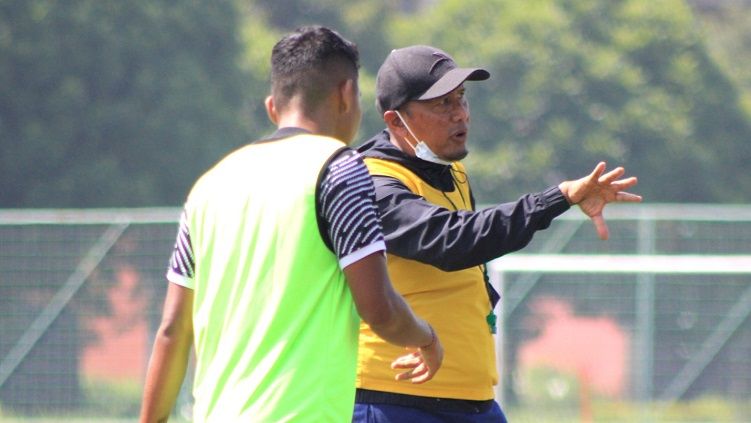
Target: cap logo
(441, 57)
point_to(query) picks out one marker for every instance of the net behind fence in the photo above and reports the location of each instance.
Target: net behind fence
(656, 325)
(650, 326)
(80, 298)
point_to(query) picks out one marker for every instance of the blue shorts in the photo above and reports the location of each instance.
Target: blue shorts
(387, 413)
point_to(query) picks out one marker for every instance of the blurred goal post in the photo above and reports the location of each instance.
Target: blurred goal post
(638, 265)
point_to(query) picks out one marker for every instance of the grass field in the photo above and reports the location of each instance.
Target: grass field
(707, 410)
(120, 402)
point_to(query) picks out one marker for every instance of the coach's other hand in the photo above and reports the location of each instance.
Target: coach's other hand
(592, 192)
(422, 364)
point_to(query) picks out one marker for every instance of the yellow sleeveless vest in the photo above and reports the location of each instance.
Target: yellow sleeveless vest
(455, 303)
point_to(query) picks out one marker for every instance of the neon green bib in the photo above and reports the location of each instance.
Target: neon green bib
(274, 321)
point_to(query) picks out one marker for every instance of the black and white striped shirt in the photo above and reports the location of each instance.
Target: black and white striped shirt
(347, 205)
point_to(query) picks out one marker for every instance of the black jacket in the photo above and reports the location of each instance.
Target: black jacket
(448, 239)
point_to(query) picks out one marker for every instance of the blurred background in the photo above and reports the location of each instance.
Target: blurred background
(109, 111)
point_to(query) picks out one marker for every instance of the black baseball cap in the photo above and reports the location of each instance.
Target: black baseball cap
(419, 73)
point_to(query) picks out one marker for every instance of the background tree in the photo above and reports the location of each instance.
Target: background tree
(109, 103)
(575, 81)
(361, 21)
(727, 29)
(102, 103)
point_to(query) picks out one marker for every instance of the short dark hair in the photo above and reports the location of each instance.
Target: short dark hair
(310, 62)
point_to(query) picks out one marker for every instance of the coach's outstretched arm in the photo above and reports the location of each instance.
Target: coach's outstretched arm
(169, 357)
(592, 192)
(381, 307)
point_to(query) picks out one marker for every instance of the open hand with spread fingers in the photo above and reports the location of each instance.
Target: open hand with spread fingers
(592, 192)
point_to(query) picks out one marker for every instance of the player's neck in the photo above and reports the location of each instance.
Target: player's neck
(318, 124)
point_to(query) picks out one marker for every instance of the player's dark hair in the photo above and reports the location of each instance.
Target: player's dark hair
(309, 63)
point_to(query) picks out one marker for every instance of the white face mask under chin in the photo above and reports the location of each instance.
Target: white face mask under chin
(422, 150)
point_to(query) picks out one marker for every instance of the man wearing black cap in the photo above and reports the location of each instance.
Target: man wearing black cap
(278, 256)
(438, 245)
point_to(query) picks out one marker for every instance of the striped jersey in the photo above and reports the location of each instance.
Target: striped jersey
(262, 242)
(347, 201)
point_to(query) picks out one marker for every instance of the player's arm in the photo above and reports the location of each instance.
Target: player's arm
(169, 357)
(389, 316)
(381, 307)
(351, 226)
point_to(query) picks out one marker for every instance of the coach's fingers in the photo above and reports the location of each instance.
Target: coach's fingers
(601, 227)
(611, 176)
(627, 197)
(414, 374)
(597, 172)
(624, 184)
(407, 361)
(423, 376)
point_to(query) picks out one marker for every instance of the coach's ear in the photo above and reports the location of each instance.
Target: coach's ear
(271, 110)
(391, 119)
(394, 123)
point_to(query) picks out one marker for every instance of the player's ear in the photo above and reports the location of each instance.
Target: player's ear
(271, 110)
(348, 94)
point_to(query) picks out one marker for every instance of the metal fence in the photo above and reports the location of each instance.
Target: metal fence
(656, 316)
(80, 298)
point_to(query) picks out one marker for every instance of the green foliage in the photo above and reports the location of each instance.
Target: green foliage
(257, 40)
(360, 21)
(112, 398)
(727, 26)
(701, 410)
(547, 387)
(575, 82)
(547, 394)
(109, 103)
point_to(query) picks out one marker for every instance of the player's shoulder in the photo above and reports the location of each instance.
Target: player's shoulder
(346, 156)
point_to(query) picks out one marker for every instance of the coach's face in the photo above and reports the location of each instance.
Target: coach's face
(442, 123)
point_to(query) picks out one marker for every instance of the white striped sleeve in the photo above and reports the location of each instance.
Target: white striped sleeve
(348, 207)
(182, 264)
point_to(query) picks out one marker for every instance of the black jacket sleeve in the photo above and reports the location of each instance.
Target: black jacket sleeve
(455, 240)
